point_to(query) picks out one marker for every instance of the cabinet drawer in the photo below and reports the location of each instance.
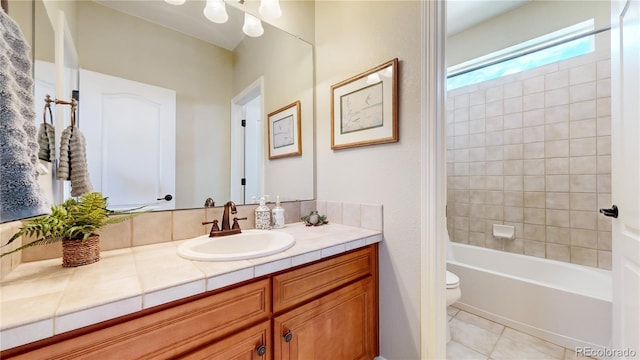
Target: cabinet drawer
(297, 286)
(169, 332)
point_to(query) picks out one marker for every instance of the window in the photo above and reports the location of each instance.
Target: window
(556, 46)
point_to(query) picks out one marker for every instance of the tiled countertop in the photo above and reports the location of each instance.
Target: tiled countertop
(41, 299)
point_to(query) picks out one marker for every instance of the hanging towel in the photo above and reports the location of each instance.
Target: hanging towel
(20, 195)
(46, 140)
(73, 161)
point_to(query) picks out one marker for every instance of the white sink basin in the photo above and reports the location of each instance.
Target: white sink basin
(247, 245)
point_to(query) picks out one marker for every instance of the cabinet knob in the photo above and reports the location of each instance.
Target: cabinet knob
(261, 350)
(288, 336)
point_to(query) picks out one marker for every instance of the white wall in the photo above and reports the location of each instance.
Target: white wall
(352, 37)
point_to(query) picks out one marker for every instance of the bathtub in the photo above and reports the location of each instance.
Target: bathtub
(566, 304)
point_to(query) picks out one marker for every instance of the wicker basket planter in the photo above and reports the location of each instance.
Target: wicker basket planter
(78, 252)
(75, 222)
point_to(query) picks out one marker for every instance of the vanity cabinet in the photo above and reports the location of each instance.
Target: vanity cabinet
(168, 331)
(324, 310)
(339, 325)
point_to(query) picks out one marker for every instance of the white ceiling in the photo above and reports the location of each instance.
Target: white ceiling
(463, 14)
(189, 19)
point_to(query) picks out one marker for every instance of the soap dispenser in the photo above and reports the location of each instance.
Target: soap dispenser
(277, 214)
(263, 216)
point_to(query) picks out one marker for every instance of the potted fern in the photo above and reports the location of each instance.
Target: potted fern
(75, 223)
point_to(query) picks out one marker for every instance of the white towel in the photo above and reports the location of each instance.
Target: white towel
(20, 195)
(73, 161)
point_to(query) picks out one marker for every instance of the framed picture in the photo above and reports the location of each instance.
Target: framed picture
(284, 132)
(364, 108)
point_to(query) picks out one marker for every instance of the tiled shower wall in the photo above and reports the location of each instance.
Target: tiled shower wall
(533, 150)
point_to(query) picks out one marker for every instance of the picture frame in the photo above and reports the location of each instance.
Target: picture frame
(284, 132)
(364, 108)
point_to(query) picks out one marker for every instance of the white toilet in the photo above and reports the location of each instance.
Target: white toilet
(453, 294)
(453, 286)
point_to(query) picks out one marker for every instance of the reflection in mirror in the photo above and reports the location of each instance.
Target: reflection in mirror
(44, 84)
(205, 78)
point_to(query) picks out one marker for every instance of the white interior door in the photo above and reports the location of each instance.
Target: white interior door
(130, 132)
(252, 150)
(625, 136)
(247, 105)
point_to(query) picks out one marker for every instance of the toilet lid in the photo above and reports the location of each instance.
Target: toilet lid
(452, 280)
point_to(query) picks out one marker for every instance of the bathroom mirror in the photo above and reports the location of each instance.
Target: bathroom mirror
(209, 82)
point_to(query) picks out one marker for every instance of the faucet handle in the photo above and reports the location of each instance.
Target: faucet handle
(215, 226)
(235, 222)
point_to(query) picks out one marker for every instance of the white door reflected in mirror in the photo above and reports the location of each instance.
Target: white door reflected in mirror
(131, 148)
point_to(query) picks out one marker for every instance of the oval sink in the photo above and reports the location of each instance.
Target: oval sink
(247, 245)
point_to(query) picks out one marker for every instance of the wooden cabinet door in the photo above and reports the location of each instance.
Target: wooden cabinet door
(251, 344)
(340, 325)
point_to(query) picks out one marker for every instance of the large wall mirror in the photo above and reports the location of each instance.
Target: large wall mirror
(218, 76)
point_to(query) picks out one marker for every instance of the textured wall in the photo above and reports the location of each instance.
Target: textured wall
(352, 37)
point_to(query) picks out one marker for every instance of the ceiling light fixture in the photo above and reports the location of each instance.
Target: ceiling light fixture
(252, 26)
(216, 11)
(270, 9)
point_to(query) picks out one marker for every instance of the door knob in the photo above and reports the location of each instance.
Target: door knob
(261, 350)
(167, 197)
(288, 336)
(613, 212)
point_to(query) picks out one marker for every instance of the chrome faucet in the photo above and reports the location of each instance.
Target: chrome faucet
(227, 229)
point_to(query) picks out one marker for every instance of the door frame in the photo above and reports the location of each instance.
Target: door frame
(237, 135)
(433, 314)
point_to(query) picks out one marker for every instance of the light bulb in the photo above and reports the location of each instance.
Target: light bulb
(252, 26)
(270, 9)
(175, 2)
(216, 11)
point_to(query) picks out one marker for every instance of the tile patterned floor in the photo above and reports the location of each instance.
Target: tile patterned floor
(473, 337)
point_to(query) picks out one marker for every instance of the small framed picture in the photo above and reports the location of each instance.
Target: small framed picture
(364, 108)
(284, 132)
